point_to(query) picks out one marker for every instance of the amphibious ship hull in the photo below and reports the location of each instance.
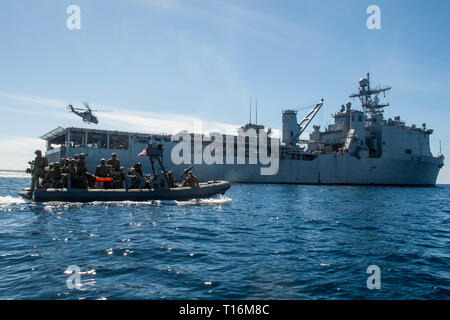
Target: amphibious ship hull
(317, 169)
(332, 170)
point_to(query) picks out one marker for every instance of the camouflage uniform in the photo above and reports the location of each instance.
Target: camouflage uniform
(191, 180)
(137, 176)
(114, 162)
(102, 169)
(46, 175)
(71, 172)
(64, 165)
(81, 165)
(81, 178)
(38, 170)
(53, 176)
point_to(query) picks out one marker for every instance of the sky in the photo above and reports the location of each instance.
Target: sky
(169, 65)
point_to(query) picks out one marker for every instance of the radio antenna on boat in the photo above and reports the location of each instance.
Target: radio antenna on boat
(154, 152)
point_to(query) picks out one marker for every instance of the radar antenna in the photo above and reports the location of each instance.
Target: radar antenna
(369, 97)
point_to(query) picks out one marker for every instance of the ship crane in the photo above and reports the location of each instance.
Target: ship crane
(308, 118)
(293, 130)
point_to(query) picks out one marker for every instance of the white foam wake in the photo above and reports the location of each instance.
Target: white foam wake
(215, 201)
(209, 201)
(186, 203)
(9, 200)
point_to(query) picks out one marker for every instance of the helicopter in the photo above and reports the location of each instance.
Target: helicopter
(85, 114)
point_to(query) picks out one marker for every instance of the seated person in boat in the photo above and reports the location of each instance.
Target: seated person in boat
(190, 181)
(81, 164)
(172, 183)
(87, 179)
(64, 164)
(157, 181)
(115, 172)
(102, 171)
(70, 173)
(78, 175)
(137, 176)
(53, 177)
(114, 162)
(136, 169)
(45, 175)
(80, 179)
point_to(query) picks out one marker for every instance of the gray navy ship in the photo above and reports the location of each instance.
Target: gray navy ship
(361, 147)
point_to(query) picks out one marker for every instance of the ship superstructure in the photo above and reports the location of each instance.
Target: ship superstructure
(360, 147)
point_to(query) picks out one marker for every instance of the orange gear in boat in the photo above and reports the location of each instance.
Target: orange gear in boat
(107, 179)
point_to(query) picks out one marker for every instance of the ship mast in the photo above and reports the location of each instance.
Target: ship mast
(250, 117)
(369, 97)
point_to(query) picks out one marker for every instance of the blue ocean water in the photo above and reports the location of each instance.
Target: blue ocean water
(256, 242)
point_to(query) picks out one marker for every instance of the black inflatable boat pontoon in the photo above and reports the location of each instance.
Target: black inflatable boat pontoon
(204, 190)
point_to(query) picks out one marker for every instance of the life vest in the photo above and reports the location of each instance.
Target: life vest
(192, 180)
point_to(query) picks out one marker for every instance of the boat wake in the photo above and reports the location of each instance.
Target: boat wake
(6, 201)
(209, 201)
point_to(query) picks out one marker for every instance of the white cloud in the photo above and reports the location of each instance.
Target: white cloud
(164, 123)
(33, 100)
(131, 120)
(17, 151)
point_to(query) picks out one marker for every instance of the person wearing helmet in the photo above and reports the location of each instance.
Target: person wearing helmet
(136, 175)
(38, 169)
(102, 170)
(114, 163)
(63, 165)
(52, 178)
(137, 168)
(81, 177)
(191, 180)
(81, 165)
